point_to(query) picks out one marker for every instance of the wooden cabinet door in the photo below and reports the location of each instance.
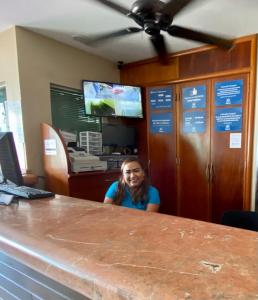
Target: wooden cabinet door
(162, 158)
(91, 186)
(193, 152)
(228, 164)
(199, 175)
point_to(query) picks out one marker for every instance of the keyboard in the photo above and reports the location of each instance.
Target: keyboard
(25, 191)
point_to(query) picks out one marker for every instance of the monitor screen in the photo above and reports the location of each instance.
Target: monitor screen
(111, 99)
(9, 162)
(118, 135)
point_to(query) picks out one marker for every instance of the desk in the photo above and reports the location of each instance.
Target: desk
(61, 180)
(106, 252)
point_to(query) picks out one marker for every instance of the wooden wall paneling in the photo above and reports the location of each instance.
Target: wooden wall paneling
(141, 136)
(215, 60)
(162, 160)
(148, 72)
(196, 62)
(229, 164)
(193, 152)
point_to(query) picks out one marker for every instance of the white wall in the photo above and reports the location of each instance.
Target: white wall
(42, 61)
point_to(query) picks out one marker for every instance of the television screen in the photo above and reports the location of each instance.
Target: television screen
(111, 99)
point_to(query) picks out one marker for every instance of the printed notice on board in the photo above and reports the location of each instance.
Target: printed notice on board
(161, 123)
(228, 119)
(194, 97)
(194, 122)
(50, 146)
(235, 140)
(161, 97)
(229, 92)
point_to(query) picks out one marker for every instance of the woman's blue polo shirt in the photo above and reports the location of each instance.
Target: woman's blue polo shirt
(152, 197)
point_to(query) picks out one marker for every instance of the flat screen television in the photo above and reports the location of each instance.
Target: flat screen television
(106, 99)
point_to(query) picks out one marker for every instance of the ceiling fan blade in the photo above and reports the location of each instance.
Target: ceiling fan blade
(159, 45)
(172, 7)
(137, 18)
(203, 37)
(104, 37)
(114, 6)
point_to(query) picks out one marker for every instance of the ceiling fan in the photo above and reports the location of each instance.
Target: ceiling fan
(153, 17)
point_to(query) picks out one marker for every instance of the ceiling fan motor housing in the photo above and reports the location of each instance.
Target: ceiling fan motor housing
(151, 27)
(144, 7)
(152, 20)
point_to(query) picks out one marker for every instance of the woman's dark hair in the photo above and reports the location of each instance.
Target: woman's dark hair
(138, 194)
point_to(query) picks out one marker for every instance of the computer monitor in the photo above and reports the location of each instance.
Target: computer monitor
(118, 135)
(9, 163)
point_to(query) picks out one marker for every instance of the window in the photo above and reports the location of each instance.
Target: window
(3, 114)
(68, 111)
(11, 120)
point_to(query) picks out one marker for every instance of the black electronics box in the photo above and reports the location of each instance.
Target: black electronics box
(115, 161)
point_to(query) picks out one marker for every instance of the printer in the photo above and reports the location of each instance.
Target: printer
(83, 162)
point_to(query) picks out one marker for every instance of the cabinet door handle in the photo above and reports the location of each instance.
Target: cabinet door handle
(207, 172)
(211, 173)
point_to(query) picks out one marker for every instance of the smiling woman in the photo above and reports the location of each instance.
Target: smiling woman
(132, 189)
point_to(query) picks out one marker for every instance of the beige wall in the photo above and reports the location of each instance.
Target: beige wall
(42, 61)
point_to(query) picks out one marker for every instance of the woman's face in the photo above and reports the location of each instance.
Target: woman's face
(133, 174)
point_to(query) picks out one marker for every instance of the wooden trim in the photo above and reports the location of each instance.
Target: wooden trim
(177, 107)
(250, 127)
(203, 77)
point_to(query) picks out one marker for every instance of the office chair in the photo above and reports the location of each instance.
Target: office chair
(241, 219)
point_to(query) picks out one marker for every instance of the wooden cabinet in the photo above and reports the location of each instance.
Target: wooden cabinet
(193, 155)
(229, 166)
(162, 157)
(61, 180)
(199, 174)
(211, 173)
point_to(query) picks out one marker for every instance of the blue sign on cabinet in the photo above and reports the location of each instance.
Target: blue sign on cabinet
(161, 123)
(161, 97)
(229, 92)
(194, 97)
(228, 119)
(194, 122)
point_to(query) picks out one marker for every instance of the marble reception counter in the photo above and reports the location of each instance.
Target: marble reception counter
(87, 250)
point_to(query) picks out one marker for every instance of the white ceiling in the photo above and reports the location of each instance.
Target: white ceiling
(61, 19)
